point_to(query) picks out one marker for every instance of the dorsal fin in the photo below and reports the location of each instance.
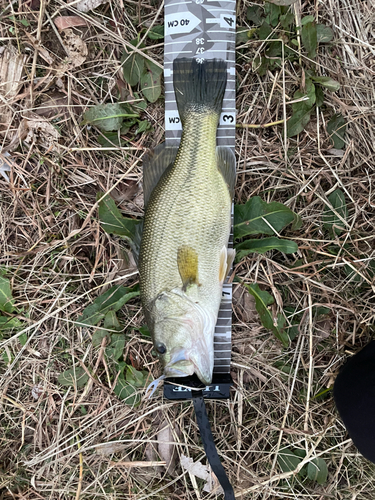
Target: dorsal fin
(187, 262)
(155, 163)
(135, 244)
(226, 162)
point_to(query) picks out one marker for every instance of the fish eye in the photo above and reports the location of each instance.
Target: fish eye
(161, 349)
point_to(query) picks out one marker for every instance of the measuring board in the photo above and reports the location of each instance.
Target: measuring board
(204, 29)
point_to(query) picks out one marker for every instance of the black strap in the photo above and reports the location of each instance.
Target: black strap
(209, 445)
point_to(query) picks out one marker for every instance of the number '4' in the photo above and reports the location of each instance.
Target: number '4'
(229, 20)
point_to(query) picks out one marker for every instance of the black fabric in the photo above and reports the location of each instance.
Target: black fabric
(354, 393)
(209, 445)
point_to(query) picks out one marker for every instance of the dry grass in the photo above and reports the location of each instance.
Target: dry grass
(78, 443)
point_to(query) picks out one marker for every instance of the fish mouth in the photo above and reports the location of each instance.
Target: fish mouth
(184, 363)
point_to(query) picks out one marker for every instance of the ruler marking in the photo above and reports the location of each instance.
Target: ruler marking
(180, 52)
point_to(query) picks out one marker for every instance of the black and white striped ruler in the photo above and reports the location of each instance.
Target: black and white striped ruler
(204, 29)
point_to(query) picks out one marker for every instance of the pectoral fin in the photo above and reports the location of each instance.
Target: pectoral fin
(187, 262)
(227, 165)
(223, 264)
(226, 260)
(231, 253)
(155, 163)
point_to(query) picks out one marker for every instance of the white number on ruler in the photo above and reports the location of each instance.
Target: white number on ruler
(227, 118)
(227, 21)
(200, 50)
(200, 60)
(199, 41)
(199, 1)
(180, 22)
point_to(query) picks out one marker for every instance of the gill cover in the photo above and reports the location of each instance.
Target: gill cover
(186, 330)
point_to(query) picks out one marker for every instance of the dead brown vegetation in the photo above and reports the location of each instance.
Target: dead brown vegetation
(85, 443)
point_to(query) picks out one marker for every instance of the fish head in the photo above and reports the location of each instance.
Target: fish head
(183, 335)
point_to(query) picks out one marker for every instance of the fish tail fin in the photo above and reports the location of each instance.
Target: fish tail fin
(199, 87)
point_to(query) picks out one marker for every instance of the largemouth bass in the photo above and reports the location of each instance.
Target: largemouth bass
(184, 255)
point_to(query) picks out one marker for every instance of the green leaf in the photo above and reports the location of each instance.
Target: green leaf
(6, 299)
(262, 300)
(353, 276)
(145, 331)
(126, 389)
(98, 336)
(336, 128)
(273, 12)
(265, 245)
(113, 299)
(286, 20)
(323, 311)
(107, 117)
(23, 339)
(151, 86)
(299, 120)
(300, 452)
(274, 49)
(7, 358)
(116, 348)
(255, 14)
(292, 331)
(317, 470)
(154, 68)
(126, 126)
(241, 35)
(7, 323)
(112, 221)
(135, 377)
(111, 139)
(264, 31)
(308, 92)
(324, 33)
(287, 460)
(292, 322)
(133, 65)
(302, 109)
(111, 322)
(307, 19)
(143, 126)
(140, 103)
(285, 368)
(156, 32)
(309, 39)
(332, 221)
(282, 2)
(126, 392)
(319, 96)
(327, 82)
(260, 65)
(259, 217)
(74, 377)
